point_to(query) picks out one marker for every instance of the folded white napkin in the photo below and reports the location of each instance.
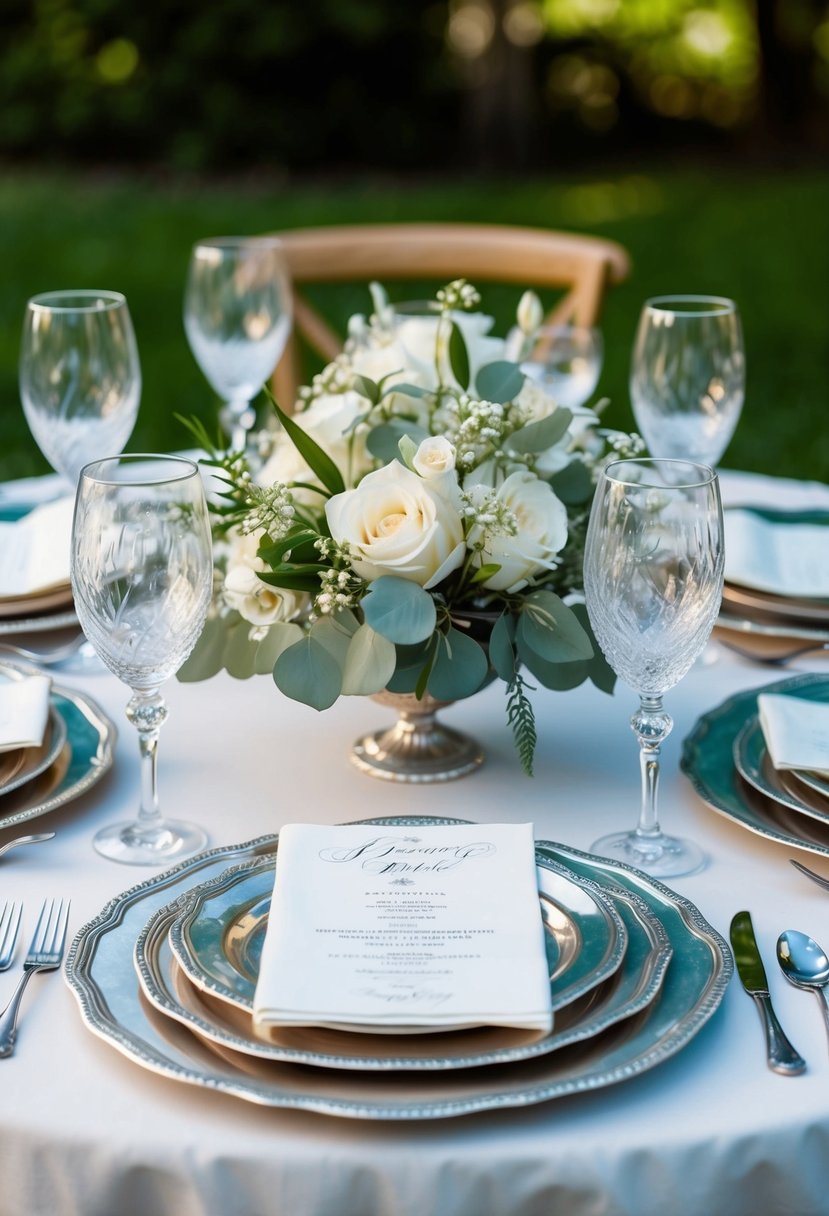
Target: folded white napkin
(796, 732)
(404, 930)
(24, 711)
(782, 558)
(34, 550)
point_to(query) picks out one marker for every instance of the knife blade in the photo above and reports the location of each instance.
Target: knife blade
(781, 1056)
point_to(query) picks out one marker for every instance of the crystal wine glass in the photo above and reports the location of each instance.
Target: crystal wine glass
(566, 361)
(237, 316)
(687, 378)
(653, 576)
(142, 575)
(80, 380)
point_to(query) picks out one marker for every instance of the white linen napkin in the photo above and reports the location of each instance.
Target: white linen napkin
(781, 558)
(24, 711)
(796, 732)
(404, 930)
(34, 550)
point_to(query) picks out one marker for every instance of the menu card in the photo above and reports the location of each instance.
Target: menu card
(34, 550)
(781, 558)
(404, 929)
(796, 732)
(24, 710)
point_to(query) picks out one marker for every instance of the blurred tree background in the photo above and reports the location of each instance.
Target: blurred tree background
(694, 131)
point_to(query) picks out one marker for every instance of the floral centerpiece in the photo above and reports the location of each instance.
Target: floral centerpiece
(416, 525)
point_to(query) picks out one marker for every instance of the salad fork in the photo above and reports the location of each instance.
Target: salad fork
(9, 924)
(45, 954)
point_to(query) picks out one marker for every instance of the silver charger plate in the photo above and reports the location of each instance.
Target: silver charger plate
(707, 760)
(99, 971)
(237, 904)
(37, 759)
(754, 764)
(42, 623)
(85, 757)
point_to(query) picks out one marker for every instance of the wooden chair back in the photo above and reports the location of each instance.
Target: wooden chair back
(584, 266)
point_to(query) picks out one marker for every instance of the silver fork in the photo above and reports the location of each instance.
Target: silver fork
(45, 954)
(9, 924)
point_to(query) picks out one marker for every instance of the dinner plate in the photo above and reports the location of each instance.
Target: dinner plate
(222, 1011)
(30, 762)
(45, 623)
(37, 602)
(754, 764)
(707, 760)
(85, 757)
(768, 606)
(218, 938)
(814, 781)
(99, 971)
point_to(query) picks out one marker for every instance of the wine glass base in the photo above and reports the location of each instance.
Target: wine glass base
(135, 845)
(659, 856)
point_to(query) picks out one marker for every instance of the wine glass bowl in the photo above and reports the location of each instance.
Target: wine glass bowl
(566, 361)
(687, 379)
(653, 576)
(80, 379)
(142, 577)
(237, 317)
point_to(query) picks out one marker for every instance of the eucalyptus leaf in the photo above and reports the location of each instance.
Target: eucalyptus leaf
(384, 441)
(486, 571)
(306, 672)
(500, 381)
(407, 390)
(459, 669)
(408, 450)
(557, 676)
(333, 636)
(399, 609)
(317, 460)
(598, 669)
(206, 658)
(240, 651)
(551, 630)
(279, 637)
(501, 648)
(573, 484)
(366, 388)
(369, 663)
(458, 355)
(538, 436)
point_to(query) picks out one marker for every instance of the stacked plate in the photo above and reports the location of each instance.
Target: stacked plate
(76, 751)
(726, 758)
(166, 974)
(756, 612)
(38, 611)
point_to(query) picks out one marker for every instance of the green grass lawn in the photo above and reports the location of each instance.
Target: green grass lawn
(761, 238)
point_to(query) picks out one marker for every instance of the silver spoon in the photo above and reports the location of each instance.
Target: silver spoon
(12, 844)
(805, 965)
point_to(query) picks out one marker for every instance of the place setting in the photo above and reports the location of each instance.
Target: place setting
(376, 964)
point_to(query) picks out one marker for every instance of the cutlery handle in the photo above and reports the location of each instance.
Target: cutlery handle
(780, 1054)
(8, 1018)
(824, 1005)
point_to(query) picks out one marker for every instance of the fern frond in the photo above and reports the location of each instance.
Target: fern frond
(522, 720)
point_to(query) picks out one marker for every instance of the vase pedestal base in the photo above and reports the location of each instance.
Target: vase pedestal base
(417, 748)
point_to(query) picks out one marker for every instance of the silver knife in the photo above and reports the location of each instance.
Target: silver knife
(780, 1054)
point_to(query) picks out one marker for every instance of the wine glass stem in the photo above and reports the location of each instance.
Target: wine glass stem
(147, 712)
(651, 725)
(237, 418)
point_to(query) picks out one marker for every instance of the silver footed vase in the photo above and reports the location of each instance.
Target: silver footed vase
(418, 747)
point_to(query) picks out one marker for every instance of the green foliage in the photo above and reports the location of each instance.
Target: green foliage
(459, 668)
(400, 610)
(538, 436)
(458, 355)
(521, 718)
(384, 441)
(317, 460)
(500, 381)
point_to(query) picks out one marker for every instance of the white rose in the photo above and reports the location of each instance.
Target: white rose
(254, 600)
(396, 523)
(542, 533)
(329, 420)
(434, 458)
(416, 337)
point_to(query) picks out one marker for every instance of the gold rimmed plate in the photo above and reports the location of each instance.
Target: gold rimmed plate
(30, 762)
(754, 764)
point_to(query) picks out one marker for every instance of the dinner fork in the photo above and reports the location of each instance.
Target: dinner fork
(45, 954)
(9, 924)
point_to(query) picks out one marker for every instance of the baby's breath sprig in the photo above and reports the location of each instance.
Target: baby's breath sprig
(488, 513)
(623, 445)
(336, 377)
(476, 428)
(339, 589)
(271, 510)
(458, 294)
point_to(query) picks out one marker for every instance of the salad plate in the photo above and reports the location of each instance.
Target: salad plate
(29, 762)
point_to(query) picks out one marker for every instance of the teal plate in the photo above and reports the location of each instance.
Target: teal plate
(100, 971)
(86, 756)
(754, 764)
(708, 761)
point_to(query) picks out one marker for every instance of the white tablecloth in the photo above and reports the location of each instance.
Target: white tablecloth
(711, 1131)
